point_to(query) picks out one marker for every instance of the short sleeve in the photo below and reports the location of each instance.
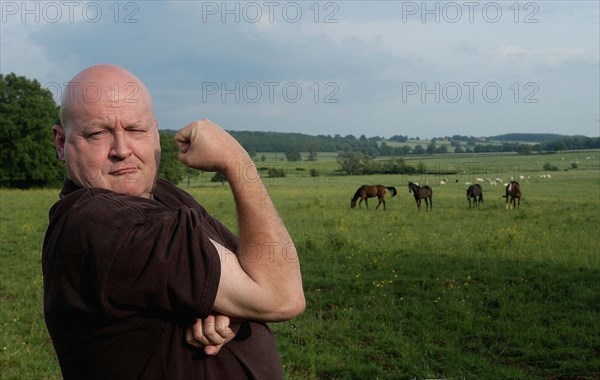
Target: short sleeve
(145, 258)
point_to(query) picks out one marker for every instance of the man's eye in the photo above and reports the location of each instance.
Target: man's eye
(136, 131)
(96, 135)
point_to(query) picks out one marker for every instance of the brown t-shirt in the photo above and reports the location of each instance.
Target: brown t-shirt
(125, 276)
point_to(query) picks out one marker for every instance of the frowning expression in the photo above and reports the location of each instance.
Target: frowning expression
(110, 143)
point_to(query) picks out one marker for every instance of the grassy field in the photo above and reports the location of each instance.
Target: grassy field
(454, 293)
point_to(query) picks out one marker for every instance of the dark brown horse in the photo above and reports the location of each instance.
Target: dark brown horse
(512, 195)
(369, 191)
(476, 193)
(422, 192)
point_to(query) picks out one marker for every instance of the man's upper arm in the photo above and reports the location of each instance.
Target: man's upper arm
(238, 295)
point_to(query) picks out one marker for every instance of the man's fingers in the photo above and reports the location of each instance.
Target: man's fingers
(216, 330)
(189, 337)
(222, 328)
(211, 333)
(212, 350)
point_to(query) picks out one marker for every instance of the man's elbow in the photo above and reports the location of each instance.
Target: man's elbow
(291, 307)
(297, 307)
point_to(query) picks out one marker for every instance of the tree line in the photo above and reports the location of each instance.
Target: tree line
(377, 146)
(28, 156)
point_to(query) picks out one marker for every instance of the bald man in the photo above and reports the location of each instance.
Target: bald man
(140, 282)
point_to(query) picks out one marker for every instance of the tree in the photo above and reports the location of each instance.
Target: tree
(442, 149)
(431, 147)
(405, 149)
(525, 149)
(171, 168)
(27, 152)
(353, 162)
(419, 150)
(190, 173)
(293, 154)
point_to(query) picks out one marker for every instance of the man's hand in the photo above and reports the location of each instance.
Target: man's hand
(211, 333)
(206, 146)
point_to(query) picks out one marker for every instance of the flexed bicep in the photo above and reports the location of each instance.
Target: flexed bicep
(239, 296)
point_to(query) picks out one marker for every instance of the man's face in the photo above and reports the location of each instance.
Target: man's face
(111, 144)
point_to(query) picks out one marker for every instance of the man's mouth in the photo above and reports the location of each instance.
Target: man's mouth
(124, 170)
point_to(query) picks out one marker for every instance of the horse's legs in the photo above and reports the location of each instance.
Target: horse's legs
(381, 200)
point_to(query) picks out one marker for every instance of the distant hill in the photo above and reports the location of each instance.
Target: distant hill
(528, 137)
(260, 141)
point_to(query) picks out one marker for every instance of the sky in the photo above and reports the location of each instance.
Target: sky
(375, 68)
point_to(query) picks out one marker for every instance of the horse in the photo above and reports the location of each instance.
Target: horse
(422, 192)
(512, 195)
(476, 192)
(369, 191)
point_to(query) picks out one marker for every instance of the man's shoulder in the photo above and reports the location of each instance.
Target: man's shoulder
(174, 196)
(101, 205)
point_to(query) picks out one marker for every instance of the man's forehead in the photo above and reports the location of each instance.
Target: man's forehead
(116, 92)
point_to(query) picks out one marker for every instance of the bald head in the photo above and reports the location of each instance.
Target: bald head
(109, 85)
(108, 137)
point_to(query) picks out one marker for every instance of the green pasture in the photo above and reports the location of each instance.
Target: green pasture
(462, 167)
(454, 293)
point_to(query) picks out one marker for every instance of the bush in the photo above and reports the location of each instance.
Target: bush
(550, 167)
(274, 173)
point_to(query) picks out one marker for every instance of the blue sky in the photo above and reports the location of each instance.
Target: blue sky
(378, 68)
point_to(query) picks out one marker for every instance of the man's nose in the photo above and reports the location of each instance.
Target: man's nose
(120, 146)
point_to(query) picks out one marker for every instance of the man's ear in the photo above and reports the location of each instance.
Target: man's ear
(59, 140)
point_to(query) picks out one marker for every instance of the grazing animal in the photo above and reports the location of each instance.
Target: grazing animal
(422, 192)
(476, 193)
(513, 195)
(370, 191)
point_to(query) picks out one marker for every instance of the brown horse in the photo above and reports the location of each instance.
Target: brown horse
(513, 195)
(476, 192)
(422, 192)
(369, 191)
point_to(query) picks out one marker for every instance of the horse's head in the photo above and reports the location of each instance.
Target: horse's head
(352, 203)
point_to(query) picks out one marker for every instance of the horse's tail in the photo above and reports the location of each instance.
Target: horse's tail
(393, 190)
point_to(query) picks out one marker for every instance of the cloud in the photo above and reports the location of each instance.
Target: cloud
(360, 62)
(510, 54)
